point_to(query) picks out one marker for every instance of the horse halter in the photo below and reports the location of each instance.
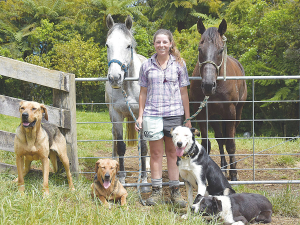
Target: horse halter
(122, 65)
(224, 58)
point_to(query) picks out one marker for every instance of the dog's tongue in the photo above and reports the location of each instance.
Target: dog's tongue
(179, 151)
(26, 124)
(106, 184)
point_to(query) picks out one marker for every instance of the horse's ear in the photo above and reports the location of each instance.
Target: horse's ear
(128, 22)
(109, 21)
(223, 27)
(200, 26)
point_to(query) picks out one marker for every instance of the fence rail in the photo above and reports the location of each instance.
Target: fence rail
(62, 113)
(252, 136)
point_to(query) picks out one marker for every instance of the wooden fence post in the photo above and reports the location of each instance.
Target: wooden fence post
(64, 100)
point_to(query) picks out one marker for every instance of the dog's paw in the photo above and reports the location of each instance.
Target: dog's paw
(21, 189)
(46, 194)
(185, 216)
(238, 223)
(72, 188)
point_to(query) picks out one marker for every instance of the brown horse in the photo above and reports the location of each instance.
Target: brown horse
(212, 59)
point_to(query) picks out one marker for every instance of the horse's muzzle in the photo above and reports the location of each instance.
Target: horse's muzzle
(115, 81)
(208, 88)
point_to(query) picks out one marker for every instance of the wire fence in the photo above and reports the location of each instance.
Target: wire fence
(261, 159)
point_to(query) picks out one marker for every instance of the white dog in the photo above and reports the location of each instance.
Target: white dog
(196, 168)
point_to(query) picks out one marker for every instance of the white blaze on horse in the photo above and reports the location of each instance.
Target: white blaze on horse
(123, 61)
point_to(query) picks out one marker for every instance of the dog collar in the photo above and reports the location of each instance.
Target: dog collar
(190, 153)
(185, 157)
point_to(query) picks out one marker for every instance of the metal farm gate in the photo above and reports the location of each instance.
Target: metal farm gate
(260, 159)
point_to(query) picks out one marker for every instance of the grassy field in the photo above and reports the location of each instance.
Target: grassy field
(77, 207)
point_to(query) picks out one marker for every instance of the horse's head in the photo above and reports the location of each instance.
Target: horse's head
(120, 46)
(211, 54)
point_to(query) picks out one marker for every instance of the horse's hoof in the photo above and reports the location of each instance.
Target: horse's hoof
(145, 189)
(233, 178)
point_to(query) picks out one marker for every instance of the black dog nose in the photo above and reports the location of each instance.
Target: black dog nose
(107, 176)
(25, 115)
(179, 144)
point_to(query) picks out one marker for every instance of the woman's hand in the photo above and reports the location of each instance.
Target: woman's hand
(138, 124)
(188, 124)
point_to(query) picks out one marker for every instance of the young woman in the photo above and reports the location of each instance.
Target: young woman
(163, 103)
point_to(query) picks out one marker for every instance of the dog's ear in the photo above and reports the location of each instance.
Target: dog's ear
(171, 131)
(97, 166)
(195, 131)
(21, 103)
(217, 205)
(117, 165)
(44, 110)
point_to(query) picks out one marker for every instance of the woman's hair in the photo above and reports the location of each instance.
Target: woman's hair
(173, 50)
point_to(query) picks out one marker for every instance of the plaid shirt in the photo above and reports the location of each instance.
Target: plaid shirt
(163, 87)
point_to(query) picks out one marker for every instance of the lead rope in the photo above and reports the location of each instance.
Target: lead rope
(139, 149)
(203, 104)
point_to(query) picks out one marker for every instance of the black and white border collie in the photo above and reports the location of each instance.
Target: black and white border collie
(235, 209)
(196, 168)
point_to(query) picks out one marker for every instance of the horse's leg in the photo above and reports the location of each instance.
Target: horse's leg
(203, 129)
(239, 109)
(218, 135)
(230, 143)
(144, 151)
(119, 146)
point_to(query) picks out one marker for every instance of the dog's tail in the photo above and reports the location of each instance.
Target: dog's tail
(53, 159)
(131, 133)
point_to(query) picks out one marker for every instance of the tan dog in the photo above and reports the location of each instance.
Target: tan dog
(106, 185)
(37, 141)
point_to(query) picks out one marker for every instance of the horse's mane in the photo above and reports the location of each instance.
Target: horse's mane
(123, 28)
(212, 34)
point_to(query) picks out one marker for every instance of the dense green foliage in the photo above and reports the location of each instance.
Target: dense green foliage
(70, 36)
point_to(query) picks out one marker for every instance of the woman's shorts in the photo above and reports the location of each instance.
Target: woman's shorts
(155, 128)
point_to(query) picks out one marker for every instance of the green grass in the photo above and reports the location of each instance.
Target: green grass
(97, 131)
(77, 207)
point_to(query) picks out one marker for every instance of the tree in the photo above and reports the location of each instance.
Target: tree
(20, 18)
(96, 11)
(84, 59)
(179, 13)
(262, 38)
